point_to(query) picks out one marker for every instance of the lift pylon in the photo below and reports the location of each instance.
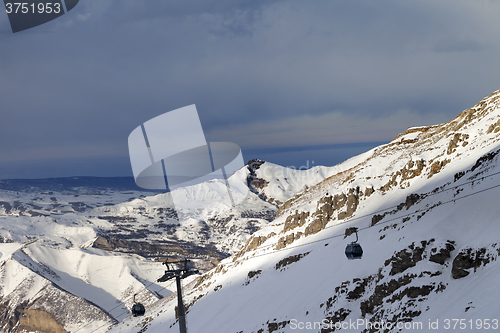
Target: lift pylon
(179, 273)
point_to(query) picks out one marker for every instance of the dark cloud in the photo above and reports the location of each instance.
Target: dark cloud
(453, 45)
(75, 91)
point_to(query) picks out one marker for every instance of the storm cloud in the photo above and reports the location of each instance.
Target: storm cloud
(274, 77)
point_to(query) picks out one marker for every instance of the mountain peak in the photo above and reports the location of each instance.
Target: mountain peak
(406, 164)
(487, 107)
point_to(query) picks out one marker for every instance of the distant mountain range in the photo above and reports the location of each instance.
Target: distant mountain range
(70, 183)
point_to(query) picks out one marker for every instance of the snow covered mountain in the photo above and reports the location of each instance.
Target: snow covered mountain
(426, 210)
(73, 253)
(202, 219)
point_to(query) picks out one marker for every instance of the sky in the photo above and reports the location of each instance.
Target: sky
(298, 83)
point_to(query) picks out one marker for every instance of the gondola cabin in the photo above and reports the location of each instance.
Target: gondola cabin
(138, 309)
(353, 251)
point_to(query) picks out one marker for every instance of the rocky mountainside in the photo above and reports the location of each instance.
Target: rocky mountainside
(73, 252)
(425, 207)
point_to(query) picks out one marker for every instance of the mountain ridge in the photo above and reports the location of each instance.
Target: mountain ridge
(87, 244)
(428, 223)
(68, 184)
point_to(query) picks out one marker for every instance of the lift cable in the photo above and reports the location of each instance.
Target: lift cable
(359, 229)
(391, 207)
(144, 288)
(122, 303)
(330, 237)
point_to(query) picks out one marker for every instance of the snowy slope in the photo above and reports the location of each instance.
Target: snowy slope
(68, 255)
(76, 286)
(426, 208)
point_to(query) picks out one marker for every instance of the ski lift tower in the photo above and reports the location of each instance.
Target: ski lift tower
(179, 274)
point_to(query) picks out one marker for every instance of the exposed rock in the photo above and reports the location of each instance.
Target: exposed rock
(369, 191)
(39, 320)
(377, 218)
(268, 215)
(338, 316)
(118, 219)
(162, 250)
(254, 183)
(289, 239)
(412, 292)
(485, 158)
(252, 243)
(350, 231)
(252, 275)
(80, 206)
(412, 130)
(339, 291)
(480, 162)
(437, 166)
(316, 225)
(339, 200)
(259, 183)
(289, 260)
(411, 200)
(255, 164)
(328, 205)
(392, 182)
(295, 220)
(6, 206)
(424, 273)
(351, 204)
(469, 258)
(360, 288)
(271, 327)
(459, 175)
(406, 258)
(443, 254)
(50, 311)
(382, 291)
(411, 170)
(454, 143)
(494, 127)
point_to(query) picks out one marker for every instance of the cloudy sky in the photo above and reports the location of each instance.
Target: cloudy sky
(298, 83)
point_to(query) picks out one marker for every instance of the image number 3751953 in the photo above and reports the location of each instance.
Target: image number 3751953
(26, 14)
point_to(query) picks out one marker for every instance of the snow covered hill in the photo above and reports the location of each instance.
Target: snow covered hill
(73, 253)
(202, 218)
(426, 208)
